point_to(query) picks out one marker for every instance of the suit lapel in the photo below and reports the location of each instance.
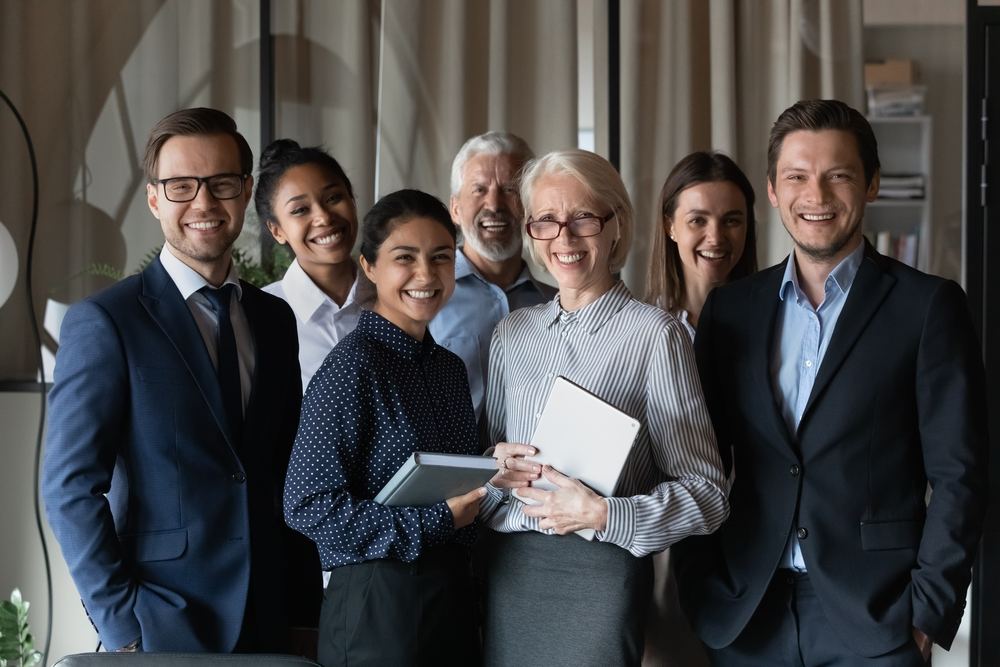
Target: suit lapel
(764, 315)
(165, 306)
(870, 287)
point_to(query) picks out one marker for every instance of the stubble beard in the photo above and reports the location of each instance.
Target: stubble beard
(830, 250)
(205, 253)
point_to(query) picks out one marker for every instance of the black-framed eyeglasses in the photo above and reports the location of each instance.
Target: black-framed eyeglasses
(180, 189)
(546, 230)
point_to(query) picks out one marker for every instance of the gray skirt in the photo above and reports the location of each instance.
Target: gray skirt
(561, 600)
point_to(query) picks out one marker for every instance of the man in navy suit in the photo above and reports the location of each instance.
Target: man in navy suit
(172, 417)
(842, 385)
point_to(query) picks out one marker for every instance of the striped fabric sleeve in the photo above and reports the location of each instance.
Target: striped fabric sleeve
(694, 499)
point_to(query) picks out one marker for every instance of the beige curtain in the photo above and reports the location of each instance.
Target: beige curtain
(701, 76)
(454, 68)
(326, 82)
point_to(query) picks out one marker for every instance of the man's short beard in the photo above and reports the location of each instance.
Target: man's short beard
(494, 251)
(827, 252)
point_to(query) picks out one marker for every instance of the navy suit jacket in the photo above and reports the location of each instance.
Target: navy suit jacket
(899, 402)
(167, 523)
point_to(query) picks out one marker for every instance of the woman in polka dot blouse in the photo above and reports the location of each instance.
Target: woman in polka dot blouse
(400, 590)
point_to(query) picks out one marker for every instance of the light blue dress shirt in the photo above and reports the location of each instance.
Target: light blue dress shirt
(465, 325)
(803, 334)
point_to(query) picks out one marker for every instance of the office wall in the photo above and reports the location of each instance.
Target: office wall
(21, 562)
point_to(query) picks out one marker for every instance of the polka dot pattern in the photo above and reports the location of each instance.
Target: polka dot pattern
(379, 396)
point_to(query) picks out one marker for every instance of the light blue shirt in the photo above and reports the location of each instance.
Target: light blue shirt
(803, 335)
(465, 325)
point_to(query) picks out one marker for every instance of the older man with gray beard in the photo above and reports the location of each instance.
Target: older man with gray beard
(491, 278)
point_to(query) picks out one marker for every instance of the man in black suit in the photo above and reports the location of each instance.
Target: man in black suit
(841, 384)
(172, 417)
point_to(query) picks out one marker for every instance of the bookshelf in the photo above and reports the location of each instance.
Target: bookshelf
(898, 223)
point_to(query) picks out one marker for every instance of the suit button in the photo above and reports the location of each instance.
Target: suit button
(239, 477)
(795, 470)
(802, 533)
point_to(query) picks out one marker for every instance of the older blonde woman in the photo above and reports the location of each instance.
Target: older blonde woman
(552, 597)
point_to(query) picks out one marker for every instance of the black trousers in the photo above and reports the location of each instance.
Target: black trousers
(386, 612)
(789, 629)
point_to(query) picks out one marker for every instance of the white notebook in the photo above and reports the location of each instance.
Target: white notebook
(583, 437)
(428, 478)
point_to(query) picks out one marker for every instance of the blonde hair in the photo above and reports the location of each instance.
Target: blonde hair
(601, 181)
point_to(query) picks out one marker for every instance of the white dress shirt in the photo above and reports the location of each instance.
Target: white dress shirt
(320, 321)
(188, 282)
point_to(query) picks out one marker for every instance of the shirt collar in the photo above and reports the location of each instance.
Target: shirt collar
(465, 268)
(306, 298)
(842, 275)
(188, 280)
(377, 328)
(594, 315)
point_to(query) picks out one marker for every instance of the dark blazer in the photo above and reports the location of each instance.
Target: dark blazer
(166, 523)
(899, 402)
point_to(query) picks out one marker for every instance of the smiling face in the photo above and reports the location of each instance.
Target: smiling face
(488, 207)
(820, 193)
(413, 273)
(200, 232)
(315, 215)
(578, 264)
(709, 227)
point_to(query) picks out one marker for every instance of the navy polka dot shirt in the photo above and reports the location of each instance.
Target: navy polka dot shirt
(379, 396)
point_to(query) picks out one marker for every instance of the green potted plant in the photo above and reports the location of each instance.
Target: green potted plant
(17, 646)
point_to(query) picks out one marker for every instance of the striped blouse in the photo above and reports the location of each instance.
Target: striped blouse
(639, 359)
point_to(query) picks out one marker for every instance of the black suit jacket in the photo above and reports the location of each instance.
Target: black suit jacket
(899, 402)
(169, 525)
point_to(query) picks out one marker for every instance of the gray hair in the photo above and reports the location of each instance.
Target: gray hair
(599, 178)
(490, 143)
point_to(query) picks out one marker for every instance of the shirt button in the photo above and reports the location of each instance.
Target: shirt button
(795, 470)
(239, 477)
(538, 415)
(809, 363)
(802, 533)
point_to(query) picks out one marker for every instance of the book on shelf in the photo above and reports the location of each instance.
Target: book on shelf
(906, 249)
(429, 477)
(898, 246)
(584, 437)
